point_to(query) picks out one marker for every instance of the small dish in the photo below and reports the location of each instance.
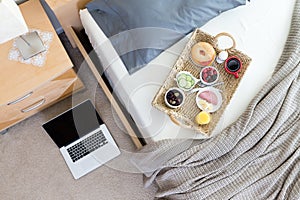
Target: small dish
(185, 80)
(202, 54)
(209, 75)
(174, 97)
(209, 99)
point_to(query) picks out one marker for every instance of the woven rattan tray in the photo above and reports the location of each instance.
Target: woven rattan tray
(184, 116)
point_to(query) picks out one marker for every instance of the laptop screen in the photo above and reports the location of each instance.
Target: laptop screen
(73, 124)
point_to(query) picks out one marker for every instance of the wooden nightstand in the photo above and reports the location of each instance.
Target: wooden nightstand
(26, 89)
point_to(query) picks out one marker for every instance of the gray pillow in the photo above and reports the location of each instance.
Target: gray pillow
(154, 24)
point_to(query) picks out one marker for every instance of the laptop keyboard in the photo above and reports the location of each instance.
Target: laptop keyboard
(87, 146)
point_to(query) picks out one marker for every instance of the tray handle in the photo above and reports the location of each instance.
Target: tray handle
(228, 35)
(178, 122)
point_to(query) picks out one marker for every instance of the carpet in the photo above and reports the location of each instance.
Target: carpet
(31, 166)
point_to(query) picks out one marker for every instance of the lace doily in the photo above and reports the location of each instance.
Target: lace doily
(37, 60)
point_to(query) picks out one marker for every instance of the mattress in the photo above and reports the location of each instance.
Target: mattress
(259, 31)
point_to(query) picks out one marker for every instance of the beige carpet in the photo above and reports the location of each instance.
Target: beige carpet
(31, 166)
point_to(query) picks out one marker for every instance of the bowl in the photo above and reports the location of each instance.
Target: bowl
(209, 99)
(174, 97)
(185, 80)
(209, 75)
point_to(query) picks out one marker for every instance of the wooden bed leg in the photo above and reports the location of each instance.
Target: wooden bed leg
(3, 132)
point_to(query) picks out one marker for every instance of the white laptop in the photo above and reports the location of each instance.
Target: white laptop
(82, 138)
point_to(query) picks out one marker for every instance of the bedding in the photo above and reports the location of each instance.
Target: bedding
(170, 19)
(257, 157)
(256, 34)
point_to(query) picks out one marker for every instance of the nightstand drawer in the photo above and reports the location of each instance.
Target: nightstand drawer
(39, 99)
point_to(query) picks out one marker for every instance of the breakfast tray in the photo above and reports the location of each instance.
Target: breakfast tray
(184, 116)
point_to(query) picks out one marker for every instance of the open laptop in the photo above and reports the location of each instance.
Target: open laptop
(82, 138)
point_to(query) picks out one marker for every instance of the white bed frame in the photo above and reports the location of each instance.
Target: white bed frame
(106, 89)
(71, 24)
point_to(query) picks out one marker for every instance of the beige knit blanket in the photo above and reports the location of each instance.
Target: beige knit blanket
(257, 157)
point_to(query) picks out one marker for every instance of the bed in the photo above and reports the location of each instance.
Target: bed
(258, 32)
(257, 155)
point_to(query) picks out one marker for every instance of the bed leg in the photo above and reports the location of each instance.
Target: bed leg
(3, 132)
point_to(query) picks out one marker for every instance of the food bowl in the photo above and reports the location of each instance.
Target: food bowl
(209, 99)
(185, 80)
(209, 75)
(174, 97)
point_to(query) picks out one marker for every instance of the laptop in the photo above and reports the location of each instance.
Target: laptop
(82, 138)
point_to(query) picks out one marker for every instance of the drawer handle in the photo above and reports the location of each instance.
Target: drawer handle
(20, 99)
(33, 107)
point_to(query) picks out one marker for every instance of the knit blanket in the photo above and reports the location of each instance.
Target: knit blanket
(257, 157)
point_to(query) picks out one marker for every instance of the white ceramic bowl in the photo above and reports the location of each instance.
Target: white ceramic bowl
(190, 81)
(214, 75)
(212, 107)
(174, 89)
